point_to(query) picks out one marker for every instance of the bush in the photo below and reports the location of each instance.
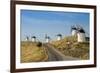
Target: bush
(39, 44)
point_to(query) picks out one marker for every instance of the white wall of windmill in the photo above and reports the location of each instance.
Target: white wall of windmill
(59, 38)
(81, 37)
(74, 32)
(47, 40)
(33, 39)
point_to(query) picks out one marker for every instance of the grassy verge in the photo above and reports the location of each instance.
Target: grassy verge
(70, 47)
(32, 52)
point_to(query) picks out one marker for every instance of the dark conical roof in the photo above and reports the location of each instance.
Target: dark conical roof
(59, 35)
(33, 36)
(81, 30)
(73, 28)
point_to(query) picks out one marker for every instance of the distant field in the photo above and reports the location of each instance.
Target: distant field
(30, 52)
(70, 47)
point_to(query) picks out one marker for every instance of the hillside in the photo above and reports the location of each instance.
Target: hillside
(32, 52)
(70, 47)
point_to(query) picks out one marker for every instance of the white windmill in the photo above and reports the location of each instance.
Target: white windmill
(27, 38)
(81, 35)
(47, 39)
(73, 30)
(59, 37)
(33, 38)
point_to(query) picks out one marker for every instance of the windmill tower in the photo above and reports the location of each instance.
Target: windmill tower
(59, 37)
(81, 35)
(47, 39)
(33, 39)
(27, 38)
(73, 30)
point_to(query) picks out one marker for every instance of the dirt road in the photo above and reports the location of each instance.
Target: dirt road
(55, 55)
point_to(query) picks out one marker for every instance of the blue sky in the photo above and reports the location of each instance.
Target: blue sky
(38, 23)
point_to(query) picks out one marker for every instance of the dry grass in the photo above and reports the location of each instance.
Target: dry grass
(70, 47)
(30, 52)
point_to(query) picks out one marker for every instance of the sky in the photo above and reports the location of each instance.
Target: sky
(38, 23)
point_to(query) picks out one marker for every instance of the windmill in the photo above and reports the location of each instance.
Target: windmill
(27, 38)
(81, 35)
(47, 38)
(59, 37)
(73, 30)
(33, 38)
(80, 32)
